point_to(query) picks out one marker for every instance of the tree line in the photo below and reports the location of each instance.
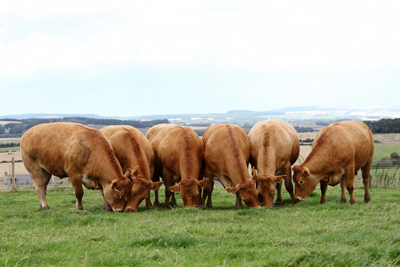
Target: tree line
(384, 126)
(25, 124)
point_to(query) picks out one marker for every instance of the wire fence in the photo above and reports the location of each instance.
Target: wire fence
(382, 176)
(22, 177)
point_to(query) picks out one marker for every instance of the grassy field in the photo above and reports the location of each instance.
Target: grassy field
(383, 150)
(6, 149)
(307, 234)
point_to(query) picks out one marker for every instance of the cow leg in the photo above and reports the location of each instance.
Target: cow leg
(279, 200)
(289, 184)
(173, 201)
(207, 191)
(209, 200)
(324, 186)
(342, 187)
(239, 204)
(366, 180)
(40, 179)
(349, 184)
(156, 178)
(148, 202)
(168, 182)
(76, 182)
(106, 206)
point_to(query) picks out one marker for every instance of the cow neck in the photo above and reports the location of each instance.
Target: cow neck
(266, 161)
(238, 172)
(141, 160)
(317, 161)
(189, 166)
(131, 153)
(107, 166)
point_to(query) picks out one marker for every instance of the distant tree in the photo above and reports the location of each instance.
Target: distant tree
(303, 129)
(248, 125)
(322, 123)
(2, 129)
(15, 128)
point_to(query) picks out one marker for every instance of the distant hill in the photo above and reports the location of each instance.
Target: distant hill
(50, 116)
(362, 113)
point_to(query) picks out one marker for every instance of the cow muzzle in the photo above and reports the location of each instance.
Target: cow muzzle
(300, 199)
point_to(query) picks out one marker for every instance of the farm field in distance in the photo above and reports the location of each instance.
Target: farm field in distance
(308, 233)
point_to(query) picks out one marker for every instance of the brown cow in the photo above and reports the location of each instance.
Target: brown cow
(226, 154)
(274, 148)
(339, 151)
(134, 151)
(81, 153)
(178, 157)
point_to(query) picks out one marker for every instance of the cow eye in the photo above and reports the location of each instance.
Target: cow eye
(119, 196)
(301, 182)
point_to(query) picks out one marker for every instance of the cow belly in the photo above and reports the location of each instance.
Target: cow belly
(335, 179)
(89, 183)
(224, 180)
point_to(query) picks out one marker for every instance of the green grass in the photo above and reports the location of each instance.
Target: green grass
(6, 149)
(307, 234)
(383, 150)
(10, 141)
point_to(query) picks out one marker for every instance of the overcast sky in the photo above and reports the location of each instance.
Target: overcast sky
(161, 57)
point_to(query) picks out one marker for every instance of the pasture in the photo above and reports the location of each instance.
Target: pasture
(306, 234)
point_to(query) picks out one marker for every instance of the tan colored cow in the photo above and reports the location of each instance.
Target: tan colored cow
(134, 152)
(178, 157)
(227, 154)
(339, 151)
(81, 153)
(274, 148)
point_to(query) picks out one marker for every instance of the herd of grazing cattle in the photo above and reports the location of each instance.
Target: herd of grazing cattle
(125, 165)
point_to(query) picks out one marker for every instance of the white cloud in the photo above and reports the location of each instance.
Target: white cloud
(258, 35)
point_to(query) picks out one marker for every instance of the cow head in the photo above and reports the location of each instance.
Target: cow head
(266, 187)
(247, 192)
(189, 190)
(304, 182)
(140, 189)
(116, 193)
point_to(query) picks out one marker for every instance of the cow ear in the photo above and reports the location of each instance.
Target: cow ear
(156, 185)
(296, 168)
(175, 188)
(202, 183)
(254, 174)
(306, 172)
(280, 179)
(232, 190)
(114, 184)
(128, 173)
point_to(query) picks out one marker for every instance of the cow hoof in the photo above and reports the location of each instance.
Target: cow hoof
(367, 199)
(209, 206)
(279, 203)
(157, 204)
(343, 200)
(45, 207)
(322, 201)
(353, 202)
(107, 208)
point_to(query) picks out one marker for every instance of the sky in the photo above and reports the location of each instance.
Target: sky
(132, 58)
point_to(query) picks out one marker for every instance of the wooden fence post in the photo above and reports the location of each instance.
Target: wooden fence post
(13, 174)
